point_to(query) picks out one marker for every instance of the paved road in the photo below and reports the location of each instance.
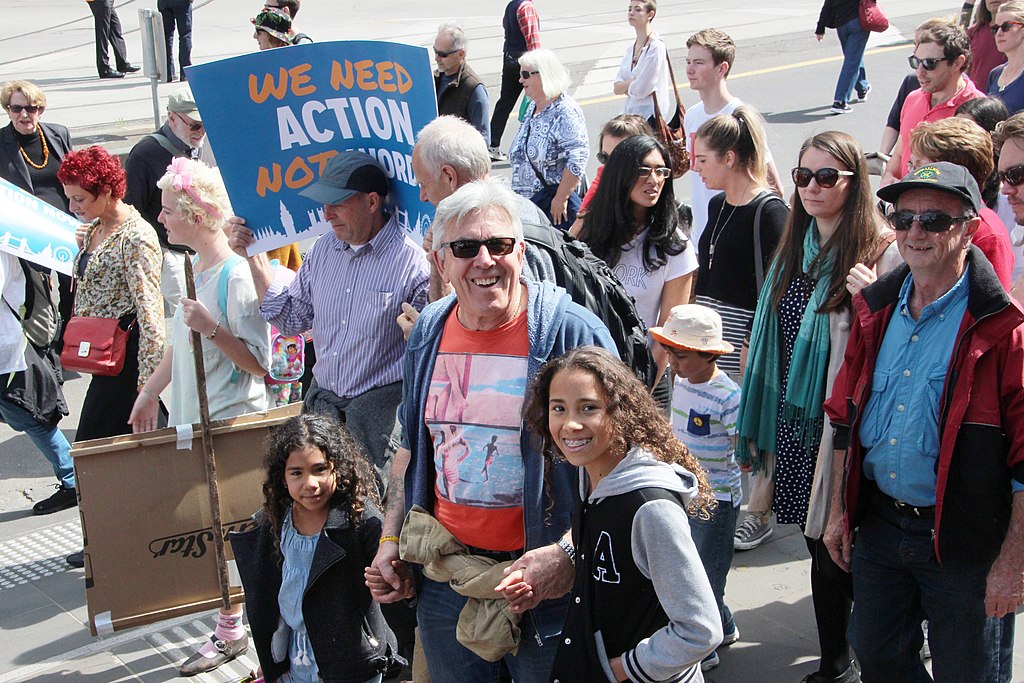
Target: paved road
(780, 69)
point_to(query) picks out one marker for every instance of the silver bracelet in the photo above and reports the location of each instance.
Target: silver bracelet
(568, 549)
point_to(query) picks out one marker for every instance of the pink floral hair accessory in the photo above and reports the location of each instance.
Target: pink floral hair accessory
(181, 181)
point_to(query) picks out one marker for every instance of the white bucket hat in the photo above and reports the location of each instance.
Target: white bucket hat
(693, 327)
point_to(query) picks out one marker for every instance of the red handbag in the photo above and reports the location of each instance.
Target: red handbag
(670, 132)
(872, 18)
(95, 346)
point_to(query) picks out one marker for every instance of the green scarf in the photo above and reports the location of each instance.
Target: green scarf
(760, 404)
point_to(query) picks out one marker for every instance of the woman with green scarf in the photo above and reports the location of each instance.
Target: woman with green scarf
(799, 336)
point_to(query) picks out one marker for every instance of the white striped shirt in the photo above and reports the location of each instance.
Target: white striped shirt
(351, 301)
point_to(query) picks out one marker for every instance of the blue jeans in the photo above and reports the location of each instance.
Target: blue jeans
(50, 442)
(437, 613)
(897, 584)
(714, 541)
(853, 39)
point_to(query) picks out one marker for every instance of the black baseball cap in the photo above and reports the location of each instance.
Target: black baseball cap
(941, 175)
(345, 174)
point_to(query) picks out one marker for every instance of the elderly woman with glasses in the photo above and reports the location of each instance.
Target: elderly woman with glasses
(550, 151)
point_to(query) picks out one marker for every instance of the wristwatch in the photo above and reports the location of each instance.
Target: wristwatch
(569, 550)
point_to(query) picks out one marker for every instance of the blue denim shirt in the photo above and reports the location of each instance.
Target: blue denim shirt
(901, 417)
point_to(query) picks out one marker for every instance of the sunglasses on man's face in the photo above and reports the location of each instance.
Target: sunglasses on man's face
(496, 246)
(825, 177)
(444, 53)
(30, 108)
(1005, 27)
(928, 63)
(930, 221)
(194, 126)
(1013, 176)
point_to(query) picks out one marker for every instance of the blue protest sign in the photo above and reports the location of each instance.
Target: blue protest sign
(35, 231)
(275, 117)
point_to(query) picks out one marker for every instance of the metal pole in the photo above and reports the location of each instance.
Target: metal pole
(154, 55)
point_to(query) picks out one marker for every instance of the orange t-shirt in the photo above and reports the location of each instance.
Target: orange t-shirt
(474, 414)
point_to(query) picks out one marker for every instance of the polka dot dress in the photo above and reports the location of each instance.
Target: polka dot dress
(794, 465)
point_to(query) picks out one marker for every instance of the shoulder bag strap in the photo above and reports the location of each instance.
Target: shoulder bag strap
(762, 199)
(166, 144)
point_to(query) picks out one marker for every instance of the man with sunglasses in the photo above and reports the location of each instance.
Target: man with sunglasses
(942, 53)
(181, 135)
(460, 92)
(929, 408)
(470, 357)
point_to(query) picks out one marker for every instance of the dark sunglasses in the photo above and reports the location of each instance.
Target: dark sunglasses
(647, 171)
(194, 126)
(930, 221)
(825, 177)
(443, 54)
(527, 74)
(1013, 176)
(929, 63)
(602, 157)
(30, 108)
(496, 246)
(1005, 26)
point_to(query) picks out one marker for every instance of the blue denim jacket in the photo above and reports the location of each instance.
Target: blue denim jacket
(555, 325)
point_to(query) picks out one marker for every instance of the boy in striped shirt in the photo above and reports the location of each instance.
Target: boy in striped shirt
(705, 402)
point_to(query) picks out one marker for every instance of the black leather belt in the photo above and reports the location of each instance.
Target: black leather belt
(907, 508)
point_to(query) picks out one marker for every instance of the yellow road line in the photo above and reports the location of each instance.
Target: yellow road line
(761, 72)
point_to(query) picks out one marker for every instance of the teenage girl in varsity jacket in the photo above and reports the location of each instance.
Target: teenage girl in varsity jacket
(642, 608)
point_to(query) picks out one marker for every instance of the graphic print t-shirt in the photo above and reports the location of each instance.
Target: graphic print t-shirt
(473, 412)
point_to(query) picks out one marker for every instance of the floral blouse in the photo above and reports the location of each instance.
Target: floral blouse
(122, 276)
(549, 141)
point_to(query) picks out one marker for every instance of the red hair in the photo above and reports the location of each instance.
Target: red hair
(93, 169)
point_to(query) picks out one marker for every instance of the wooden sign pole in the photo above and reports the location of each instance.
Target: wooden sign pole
(211, 461)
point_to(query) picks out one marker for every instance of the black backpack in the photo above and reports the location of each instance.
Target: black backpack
(593, 285)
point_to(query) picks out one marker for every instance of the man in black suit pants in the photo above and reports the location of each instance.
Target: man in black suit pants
(108, 33)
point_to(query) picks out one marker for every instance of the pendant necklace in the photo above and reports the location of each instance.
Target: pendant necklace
(717, 231)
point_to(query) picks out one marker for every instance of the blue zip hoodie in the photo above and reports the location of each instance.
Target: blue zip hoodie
(555, 325)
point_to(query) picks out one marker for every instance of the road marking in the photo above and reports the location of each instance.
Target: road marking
(759, 72)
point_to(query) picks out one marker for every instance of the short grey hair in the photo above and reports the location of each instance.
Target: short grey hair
(455, 32)
(451, 140)
(480, 196)
(555, 78)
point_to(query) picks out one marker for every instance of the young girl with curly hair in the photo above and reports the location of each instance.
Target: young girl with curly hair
(312, 617)
(642, 606)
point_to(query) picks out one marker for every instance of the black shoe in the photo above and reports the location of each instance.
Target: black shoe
(111, 74)
(62, 500)
(76, 560)
(129, 68)
(851, 675)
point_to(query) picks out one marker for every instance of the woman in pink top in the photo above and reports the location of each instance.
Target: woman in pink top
(984, 55)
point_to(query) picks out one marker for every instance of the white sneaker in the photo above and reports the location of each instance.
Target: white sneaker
(710, 662)
(752, 532)
(497, 154)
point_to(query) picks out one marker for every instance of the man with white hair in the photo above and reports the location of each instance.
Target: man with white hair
(494, 325)
(460, 92)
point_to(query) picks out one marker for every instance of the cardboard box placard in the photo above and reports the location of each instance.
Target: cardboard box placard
(146, 522)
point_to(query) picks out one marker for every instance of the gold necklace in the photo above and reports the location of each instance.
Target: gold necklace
(46, 152)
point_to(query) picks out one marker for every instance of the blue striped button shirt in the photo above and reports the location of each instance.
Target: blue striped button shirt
(351, 300)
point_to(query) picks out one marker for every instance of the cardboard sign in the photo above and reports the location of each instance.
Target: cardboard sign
(35, 231)
(146, 519)
(275, 117)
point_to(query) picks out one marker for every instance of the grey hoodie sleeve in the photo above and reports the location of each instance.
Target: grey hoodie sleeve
(664, 552)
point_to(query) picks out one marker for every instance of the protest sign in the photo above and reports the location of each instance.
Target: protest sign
(146, 518)
(36, 231)
(275, 117)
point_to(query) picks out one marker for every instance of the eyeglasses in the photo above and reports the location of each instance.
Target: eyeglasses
(930, 221)
(30, 108)
(647, 171)
(825, 177)
(929, 63)
(496, 246)
(526, 74)
(1013, 176)
(602, 156)
(1005, 26)
(194, 126)
(443, 54)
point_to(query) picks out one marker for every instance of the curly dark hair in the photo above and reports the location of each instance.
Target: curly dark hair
(93, 169)
(355, 479)
(609, 223)
(636, 418)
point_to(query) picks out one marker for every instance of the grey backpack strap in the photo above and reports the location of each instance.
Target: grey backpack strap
(166, 144)
(765, 197)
